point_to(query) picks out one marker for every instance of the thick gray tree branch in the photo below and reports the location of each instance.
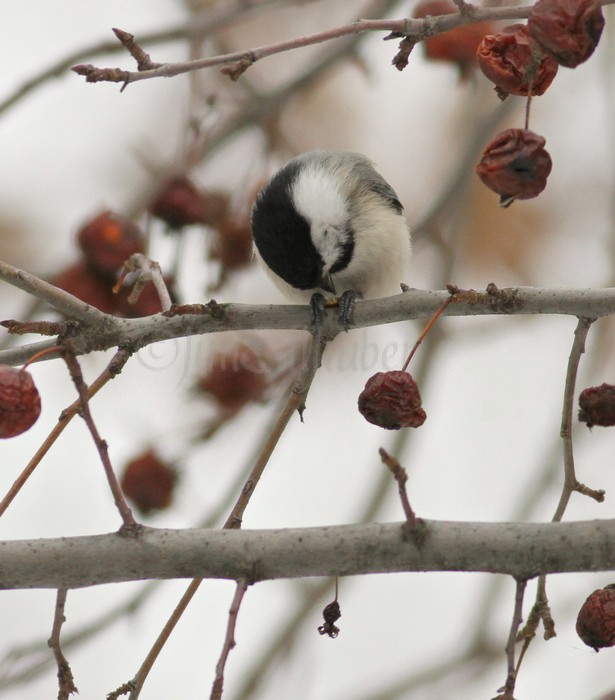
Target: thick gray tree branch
(522, 550)
(101, 332)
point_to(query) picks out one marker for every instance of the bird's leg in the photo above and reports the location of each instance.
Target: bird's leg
(346, 305)
(317, 309)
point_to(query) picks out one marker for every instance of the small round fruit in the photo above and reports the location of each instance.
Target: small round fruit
(180, 203)
(391, 400)
(20, 402)
(597, 405)
(108, 240)
(235, 378)
(568, 29)
(596, 619)
(515, 62)
(88, 284)
(515, 165)
(149, 482)
(458, 45)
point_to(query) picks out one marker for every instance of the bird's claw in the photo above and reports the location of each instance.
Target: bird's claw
(346, 305)
(317, 309)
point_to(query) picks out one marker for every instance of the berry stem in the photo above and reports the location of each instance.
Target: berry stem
(426, 330)
(57, 349)
(528, 104)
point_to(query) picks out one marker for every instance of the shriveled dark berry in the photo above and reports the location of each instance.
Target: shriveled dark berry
(149, 482)
(89, 285)
(392, 401)
(596, 619)
(597, 405)
(569, 29)
(515, 165)
(108, 240)
(20, 402)
(179, 202)
(235, 378)
(331, 614)
(515, 62)
(457, 45)
(232, 242)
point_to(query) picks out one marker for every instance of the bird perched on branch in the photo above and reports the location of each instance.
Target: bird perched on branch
(327, 224)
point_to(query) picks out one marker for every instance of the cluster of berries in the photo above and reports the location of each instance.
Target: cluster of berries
(520, 59)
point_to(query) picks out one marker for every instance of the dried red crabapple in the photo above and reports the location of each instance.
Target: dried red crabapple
(20, 402)
(516, 165)
(596, 619)
(180, 203)
(235, 378)
(391, 400)
(108, 240)
(569, 29)
(515, 62)
(149, 482)
(597, 405)
(457, 45)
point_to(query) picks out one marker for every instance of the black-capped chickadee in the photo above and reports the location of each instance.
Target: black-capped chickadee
(327, 222)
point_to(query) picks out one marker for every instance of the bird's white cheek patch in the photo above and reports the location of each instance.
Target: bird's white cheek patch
(329, 242)
(317, 197)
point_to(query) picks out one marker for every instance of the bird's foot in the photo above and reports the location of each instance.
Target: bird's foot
(317, 309)
(346, 305)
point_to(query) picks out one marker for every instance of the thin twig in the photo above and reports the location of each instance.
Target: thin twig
(295, 401)
(199, 24)
(148, 270)
(401, 477)
(282, 642)
(129, 522)
(111, 371)
(570, 480)
(241, 60)
(14, 676)
(517, 618)
(267, 105)
(36, 654)
(541, 611)
(66, 684)
(136, 684)
(229, 639)
(464, 7)
(127, 40)
(56, 297)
